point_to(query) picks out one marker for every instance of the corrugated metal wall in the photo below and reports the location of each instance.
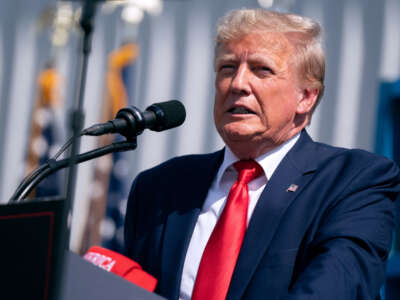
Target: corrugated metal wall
(362, 42)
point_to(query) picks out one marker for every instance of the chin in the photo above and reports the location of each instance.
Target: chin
(240, 143)
(238, 132)
(236, 135)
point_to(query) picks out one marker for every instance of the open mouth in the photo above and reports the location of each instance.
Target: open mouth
(240, 111)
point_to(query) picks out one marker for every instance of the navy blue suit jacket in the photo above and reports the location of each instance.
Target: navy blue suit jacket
(329, 239)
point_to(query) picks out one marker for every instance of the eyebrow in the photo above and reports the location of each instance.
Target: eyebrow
(267, 59)
(225, 57)
(254, 57)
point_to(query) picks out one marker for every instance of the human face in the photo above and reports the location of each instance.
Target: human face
(258, 98)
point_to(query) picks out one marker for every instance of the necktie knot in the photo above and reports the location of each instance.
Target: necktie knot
(248, 170)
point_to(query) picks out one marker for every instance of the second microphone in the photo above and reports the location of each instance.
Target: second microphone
(131, 122)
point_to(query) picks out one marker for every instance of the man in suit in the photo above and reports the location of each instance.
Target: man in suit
(317, 220)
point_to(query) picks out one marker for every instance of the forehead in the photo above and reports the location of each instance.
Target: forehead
(268, 45)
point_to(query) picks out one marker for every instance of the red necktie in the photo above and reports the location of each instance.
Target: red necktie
(222, 250)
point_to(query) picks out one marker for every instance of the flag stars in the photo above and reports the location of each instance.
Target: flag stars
(43, 117)
(121, 169)
(39, 146)
(107, 228)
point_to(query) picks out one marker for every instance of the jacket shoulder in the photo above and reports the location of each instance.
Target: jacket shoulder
(184, 165)
(354, 156)
(308, 155)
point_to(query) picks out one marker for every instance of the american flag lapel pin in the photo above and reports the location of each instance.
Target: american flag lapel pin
(292, 188)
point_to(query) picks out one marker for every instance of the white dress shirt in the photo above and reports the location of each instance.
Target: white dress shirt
(215, 202)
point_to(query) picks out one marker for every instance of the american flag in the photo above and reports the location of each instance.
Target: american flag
(110, 184)
(46, 133)
(387, 140)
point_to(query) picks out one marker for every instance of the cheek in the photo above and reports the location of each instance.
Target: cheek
(222, 83)
(218, 104)
(279, 108)
(221, 92)
(218, 109)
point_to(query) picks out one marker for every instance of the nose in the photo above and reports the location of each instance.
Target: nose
(240, 83)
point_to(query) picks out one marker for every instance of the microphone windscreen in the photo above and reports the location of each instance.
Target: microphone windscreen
(122, 266)
(169, 114)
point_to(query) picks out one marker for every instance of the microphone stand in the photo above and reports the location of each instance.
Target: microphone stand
(53, 166)
(77, 113)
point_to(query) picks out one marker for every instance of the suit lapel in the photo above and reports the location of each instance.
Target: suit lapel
(180, 224)
(296, 168)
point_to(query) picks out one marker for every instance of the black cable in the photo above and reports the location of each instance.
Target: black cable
(64, 147)
(46, 164)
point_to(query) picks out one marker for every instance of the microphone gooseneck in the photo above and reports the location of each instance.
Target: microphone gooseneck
(130, 121)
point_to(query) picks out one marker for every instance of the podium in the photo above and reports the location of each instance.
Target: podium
(35, 264)
(33, 238)
(83, 280)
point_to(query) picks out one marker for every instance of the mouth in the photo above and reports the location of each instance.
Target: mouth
(240, 110)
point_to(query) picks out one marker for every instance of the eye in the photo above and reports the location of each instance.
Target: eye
(263, 71)
(226, 67)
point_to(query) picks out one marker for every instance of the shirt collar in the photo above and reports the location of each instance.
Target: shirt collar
(268, 161)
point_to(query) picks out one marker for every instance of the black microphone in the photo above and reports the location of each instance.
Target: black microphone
(131, 122)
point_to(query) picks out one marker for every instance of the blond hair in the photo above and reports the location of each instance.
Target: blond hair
(302, 32)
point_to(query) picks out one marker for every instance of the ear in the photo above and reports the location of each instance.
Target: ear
(307, 100)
